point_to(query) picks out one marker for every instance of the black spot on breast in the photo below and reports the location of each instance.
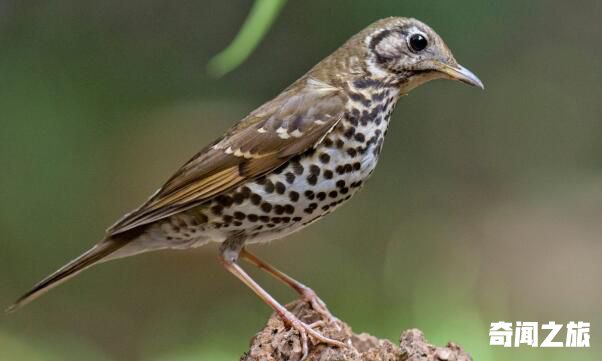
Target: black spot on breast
(352, 119)
(217, 210)
(328, 174)
(224, 200)
(314, 169)
(255, 199)
(269, 186)
(376, 110)
(266, 207)
(297, 167)
(293, 196)
(280, 188)
(357, 97)
(309, 195)
(289, 209)
(377, 97)
(321, 196)
(324, 158)
(312, 179)
(239, 215)
(356, 184)
(365, 118)
(351, 152)
(238, 198)
(252, 217)
(359, 137)
(202, 218)
(333, 194)
(278, 209)
(372, 140)
(360, 98)
(310, 152)
(264, 219)
(297, 219)
(349, 132)
(357, 166)
(340, 183)
(280, 169)
(290, 177)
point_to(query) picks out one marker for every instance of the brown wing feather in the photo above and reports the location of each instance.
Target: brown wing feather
(288, 125)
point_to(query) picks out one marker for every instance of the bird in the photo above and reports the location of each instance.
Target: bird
(284, 166)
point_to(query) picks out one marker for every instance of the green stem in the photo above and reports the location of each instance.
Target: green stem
(260, 19)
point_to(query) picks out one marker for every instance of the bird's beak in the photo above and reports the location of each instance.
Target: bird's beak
(458, 72)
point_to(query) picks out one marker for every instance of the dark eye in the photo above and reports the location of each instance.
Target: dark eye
(418, 42)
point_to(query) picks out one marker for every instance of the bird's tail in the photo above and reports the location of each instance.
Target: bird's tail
(71, 269)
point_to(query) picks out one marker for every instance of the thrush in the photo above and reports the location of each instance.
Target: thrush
(287, 164)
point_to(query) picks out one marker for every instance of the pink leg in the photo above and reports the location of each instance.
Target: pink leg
(307, 293)
(286, 315)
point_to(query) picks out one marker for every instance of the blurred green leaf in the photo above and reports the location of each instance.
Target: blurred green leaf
(260, 19)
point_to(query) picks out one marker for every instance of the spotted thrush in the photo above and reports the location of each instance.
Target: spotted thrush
(287, 164)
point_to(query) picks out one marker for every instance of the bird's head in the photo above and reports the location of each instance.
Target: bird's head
(409, 51)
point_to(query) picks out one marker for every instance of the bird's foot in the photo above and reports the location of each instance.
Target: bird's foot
(306, 331)
(318, 305)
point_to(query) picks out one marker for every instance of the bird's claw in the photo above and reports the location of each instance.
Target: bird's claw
(318, 305)
(306, 331)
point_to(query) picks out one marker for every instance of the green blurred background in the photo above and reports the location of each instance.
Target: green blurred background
(486, 206)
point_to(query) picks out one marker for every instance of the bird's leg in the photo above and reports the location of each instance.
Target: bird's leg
(229, 256)
(305, 292)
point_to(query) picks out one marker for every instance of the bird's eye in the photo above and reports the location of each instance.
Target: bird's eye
(418, 42)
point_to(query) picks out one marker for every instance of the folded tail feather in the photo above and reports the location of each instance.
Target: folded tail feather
(71, 269)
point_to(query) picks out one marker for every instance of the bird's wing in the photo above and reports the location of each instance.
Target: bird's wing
(293, 122)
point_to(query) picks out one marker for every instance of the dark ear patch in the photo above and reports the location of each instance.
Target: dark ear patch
(377, 38)
(383, 44)
(380, 58)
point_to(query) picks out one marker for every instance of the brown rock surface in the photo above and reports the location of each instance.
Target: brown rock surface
(276, 342)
